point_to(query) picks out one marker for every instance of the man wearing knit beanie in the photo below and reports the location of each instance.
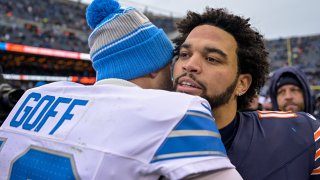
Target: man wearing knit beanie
(290, 91)
(121, 127)
(124, 44)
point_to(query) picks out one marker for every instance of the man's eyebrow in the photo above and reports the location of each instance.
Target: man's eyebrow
(206, 50)
(185, 45)
(215, 50)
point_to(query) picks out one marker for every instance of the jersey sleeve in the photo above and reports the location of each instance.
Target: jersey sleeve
(193, 146)
(315, 124)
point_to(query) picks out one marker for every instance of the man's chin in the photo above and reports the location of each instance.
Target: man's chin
(292, 108)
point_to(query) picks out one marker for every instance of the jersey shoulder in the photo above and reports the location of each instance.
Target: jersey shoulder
(289, 117)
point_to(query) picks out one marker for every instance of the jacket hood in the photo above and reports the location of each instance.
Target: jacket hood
(301, 77)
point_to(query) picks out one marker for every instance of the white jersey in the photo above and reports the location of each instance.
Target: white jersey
(65, 130)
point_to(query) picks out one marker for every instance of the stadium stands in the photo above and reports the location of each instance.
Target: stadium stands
(52, 24)
(303, 52)
(62, 26)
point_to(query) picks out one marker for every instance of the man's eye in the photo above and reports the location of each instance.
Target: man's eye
(212, 60)
(183, 55)
(281, 92)
(296, 90)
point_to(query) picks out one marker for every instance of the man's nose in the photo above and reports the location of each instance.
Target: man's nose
(288, 95)
(193, 64)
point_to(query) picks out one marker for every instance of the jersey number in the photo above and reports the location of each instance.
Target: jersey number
(39, 163)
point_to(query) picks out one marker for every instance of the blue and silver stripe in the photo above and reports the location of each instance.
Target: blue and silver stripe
(196, 135)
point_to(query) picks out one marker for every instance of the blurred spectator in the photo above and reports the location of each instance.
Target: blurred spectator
(290, 91)
(266, 104)
(9, 96)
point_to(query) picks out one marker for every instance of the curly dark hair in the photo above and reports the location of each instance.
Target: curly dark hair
(251, 51)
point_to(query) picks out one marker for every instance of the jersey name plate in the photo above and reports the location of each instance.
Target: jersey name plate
(48, 115)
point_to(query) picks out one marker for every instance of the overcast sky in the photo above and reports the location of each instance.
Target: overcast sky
(273, 18)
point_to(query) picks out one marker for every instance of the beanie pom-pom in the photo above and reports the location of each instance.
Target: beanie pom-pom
(100, 9)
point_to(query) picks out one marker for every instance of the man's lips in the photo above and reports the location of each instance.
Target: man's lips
(189, 86)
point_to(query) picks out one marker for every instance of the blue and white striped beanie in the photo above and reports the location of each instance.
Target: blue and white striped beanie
(124, 44)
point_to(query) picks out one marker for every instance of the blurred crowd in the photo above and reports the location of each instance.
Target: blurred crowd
(62, 26)
(31, 22)
(303, 52)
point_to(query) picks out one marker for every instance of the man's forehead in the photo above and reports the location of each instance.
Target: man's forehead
(210, 32)
(289, 86)
(207, 38)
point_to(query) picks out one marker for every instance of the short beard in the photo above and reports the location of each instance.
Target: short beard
(167, 85)
(299, 107)
(216, 101)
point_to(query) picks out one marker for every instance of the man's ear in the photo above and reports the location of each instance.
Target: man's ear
(153, 74)
(244, 83)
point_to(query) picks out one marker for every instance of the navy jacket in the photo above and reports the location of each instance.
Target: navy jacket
(276, 146)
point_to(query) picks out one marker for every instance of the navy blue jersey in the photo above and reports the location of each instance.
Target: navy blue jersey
(276, 145)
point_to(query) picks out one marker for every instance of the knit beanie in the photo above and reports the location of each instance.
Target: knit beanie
(288, 78)
(124, 44)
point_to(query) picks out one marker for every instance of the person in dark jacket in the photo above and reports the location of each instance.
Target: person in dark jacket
(222, 58)
(290, 91)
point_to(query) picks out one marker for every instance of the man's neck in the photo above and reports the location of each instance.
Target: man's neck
(143, 82)
(224, 114)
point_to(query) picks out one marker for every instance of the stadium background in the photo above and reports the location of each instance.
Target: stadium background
(46, 41)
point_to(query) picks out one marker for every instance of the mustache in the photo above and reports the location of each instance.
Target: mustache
(191, 76)
(289, 104)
